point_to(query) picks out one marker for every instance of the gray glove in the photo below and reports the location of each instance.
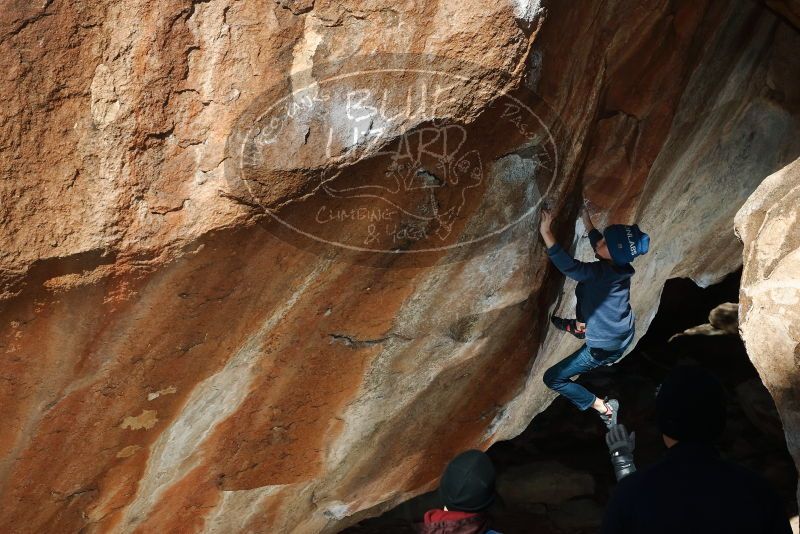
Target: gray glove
(621, 445)
(618, 439)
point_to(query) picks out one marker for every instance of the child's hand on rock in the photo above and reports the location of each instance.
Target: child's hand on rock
(587, 218)
(546, 221)
(586, 214)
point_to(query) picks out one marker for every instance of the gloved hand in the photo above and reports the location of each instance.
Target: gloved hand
(621, 445)
(619, 440)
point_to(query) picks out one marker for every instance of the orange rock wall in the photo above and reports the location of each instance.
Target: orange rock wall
(172, 363)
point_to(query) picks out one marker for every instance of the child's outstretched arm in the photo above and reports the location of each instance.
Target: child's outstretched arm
(577, 270)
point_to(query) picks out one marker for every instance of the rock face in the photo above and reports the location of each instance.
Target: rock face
(770, 295)
(177, 356)
(722, 321)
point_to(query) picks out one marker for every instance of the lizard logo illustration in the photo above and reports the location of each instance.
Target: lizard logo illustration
(427, 177)
(420, 156)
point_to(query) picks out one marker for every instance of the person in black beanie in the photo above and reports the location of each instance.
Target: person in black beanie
(692, 489)
(467, 489)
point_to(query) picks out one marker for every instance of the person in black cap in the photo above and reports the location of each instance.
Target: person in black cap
(467, 490)
(604, 315)
(692, 489)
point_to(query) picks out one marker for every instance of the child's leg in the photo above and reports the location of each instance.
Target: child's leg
(558, 377)
(578, 298)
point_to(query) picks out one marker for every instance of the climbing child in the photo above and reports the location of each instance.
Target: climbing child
(604, 317)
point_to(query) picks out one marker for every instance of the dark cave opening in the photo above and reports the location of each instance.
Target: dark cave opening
(555, 477)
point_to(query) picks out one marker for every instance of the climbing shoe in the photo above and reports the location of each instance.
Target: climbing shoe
(568, 325)
(610, 417)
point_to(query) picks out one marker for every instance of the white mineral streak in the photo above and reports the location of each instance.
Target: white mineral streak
(175, 452)
(527, 10)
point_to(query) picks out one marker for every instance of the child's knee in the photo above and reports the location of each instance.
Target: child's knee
(551, 378)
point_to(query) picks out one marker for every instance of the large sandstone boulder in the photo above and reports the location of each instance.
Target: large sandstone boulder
(769, 226)
(192, 338)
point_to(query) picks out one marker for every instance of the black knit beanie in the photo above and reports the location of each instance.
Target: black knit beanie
(690, 405)
(467, 484)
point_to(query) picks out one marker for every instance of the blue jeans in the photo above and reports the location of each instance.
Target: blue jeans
(582, 360)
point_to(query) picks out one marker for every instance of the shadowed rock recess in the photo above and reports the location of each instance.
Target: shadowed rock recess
(191, 339)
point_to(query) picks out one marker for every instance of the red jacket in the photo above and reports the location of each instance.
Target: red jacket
(447, 522)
